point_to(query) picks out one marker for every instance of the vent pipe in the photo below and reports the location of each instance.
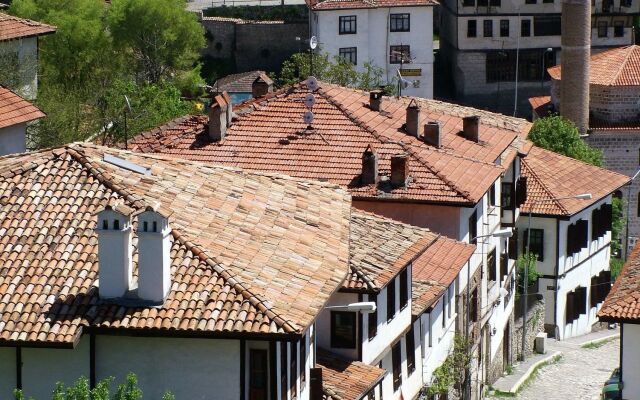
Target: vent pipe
(576, 51)
(471, 128)
(413, 118)
(399, 170)
(114, 251)
(432, 134)
(375, 100)
(369, 166)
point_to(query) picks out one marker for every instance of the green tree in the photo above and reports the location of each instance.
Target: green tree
(162, 37)
(532, 277)
(450, 375)
(560, 135)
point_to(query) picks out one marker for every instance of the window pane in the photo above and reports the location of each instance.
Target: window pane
(404, 292)
(399, 23)
(544, 25)
(399, 54)
(396, 361)
(602, 28)
(504, 27)
(373, 318)
(349, 54)
(411, 355)
(471, 28)
(491, 264)
(343, 330)
(618, 28)
(525, 27)
(488, 28)
(391, 300)
(347, 24)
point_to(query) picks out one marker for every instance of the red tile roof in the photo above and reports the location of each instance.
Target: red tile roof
(269, 134)
(354, 4)
(435, 269)
(380, 248)
(623, 302)
(551, 176)
(16, 110)
(13, 27)
(252, 253)
(540, 105)
(344, 379)
(240, 83)
(615, 67)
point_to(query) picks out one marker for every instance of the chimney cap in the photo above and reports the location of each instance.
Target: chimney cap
(413, 104)
(119, 208)
(376, 94)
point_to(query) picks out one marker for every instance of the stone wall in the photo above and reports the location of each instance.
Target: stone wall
(615, 103)
(497, 367)
(621, 151)
(535, 325)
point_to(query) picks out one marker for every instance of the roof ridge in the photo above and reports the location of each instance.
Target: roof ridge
(628, 51)
(102, 177)
(379, 137)
(544, 187)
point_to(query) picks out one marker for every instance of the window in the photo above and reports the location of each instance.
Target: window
(487, 28)
(303, 361)
(445, 303)
(283, 371)
(347, 24)
(471, 28)
(504, 265)
(473, 227)
(483, 3)
(495, 3)
(257, 374)
(577, 236)
(492, 196)
(530, 1)
(581, 300)
(391, 300)
(411, 351)
(537, 243)
(373, 318)
(504, 28)
(399, 23)
(506, 195)
(601, 221)
(349, 54)
(293, 370)
(607, 5)
(521, 191)
(525, 28)
(600, 287)
(546, 25)
(468, 3)
(450, 289)
(399, 54)
(491, 264)
(396, 361)
(602, 29)
(513, 245)
(343, 330)
(626, 3)
(547, 1)
(404, 289)
(618, 29)
(473, 309)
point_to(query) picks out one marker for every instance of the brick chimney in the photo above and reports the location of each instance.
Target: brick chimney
(154, 245)
(471, 128)
(218, 118)
(369, 166)
(432, 134)
(261, 86)
(576, 50)
(413, 118)
(399, 170)
(375, 100)
(114, 251)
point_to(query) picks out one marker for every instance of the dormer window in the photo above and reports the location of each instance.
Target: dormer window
(105, 224)
(145, 226)
(116, 224)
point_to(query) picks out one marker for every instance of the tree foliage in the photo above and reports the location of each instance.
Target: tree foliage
(336, 70)
(560, 135)
(80, 390)
(145, 50)
(532, 272)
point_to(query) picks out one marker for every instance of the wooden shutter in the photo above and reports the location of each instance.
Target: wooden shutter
(521, 191)
(569, 308)
(513, 245)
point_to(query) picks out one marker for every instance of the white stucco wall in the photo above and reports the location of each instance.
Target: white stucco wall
(7, 372)
(197, 369)
(323, 324)
(631, 361)
(436, 340)
(13, 139)
(373, 39)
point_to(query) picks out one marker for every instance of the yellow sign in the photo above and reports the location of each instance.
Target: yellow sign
(411, 72)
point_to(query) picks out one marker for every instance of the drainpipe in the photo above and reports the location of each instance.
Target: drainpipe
(621, 384)
(555, 291)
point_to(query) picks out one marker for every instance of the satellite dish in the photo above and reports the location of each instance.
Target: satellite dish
(308, 117)
(404, 83)
(312, 83)
(313, 42)
(309, 100)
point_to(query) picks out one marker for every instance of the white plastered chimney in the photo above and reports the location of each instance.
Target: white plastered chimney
(114, 251)
(154, 267)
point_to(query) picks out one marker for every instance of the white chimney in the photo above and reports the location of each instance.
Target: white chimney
(154, 244)
(114, 251)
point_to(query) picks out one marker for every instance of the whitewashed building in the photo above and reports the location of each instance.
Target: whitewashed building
(395, 35)
(19, 53)
(622, 306)
(15, 114)
(479, 42)
(571, 237)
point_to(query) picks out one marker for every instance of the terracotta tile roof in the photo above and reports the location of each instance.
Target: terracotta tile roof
(551, 176)
(352, 4)
(540, 105)
(269, 134)
(16, 110)
(13, 27)
(252, 252)
(380, 248)
(435, 269)
(623, 302)
(239, 83)
(344, 379)
(615, 67)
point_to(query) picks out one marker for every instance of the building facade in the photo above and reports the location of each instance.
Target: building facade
(396, 36)
(482, 40)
